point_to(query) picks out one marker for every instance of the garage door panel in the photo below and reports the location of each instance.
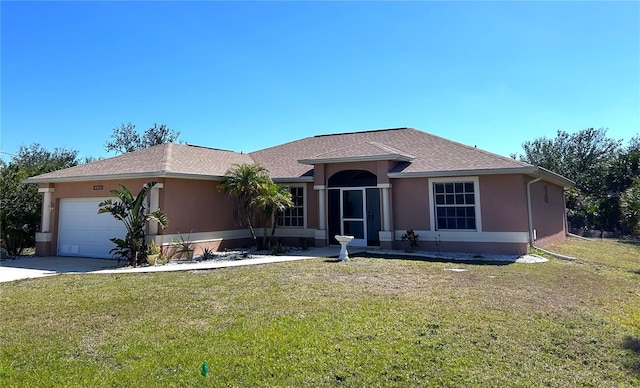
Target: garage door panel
(84, 232)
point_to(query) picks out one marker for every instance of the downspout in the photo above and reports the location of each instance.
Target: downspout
(529, 211)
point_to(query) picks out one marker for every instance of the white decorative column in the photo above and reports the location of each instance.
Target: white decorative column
(47, 207)
(43, 238)
(386, 234)
(321, 232)
(154, 204)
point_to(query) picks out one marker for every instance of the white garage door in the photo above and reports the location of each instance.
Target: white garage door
(83, 232)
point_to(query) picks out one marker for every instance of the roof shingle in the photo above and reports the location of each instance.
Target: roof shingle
(417, 152)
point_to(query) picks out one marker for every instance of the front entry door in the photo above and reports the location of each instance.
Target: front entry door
(354, 223)
(355, 212)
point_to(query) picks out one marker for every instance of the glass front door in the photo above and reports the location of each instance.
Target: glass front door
(353, 216)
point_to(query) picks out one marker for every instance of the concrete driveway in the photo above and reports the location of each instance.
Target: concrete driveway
(36, 267)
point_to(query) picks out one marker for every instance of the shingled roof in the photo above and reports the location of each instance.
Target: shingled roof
(417, 154)
(165, 160)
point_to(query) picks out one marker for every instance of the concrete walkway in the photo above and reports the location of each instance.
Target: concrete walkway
(35, 267)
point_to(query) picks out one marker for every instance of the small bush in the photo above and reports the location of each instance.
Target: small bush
(411, 238)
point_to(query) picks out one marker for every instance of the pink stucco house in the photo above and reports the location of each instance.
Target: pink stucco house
(373, 185)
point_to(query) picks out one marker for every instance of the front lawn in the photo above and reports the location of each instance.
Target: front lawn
(366, 322)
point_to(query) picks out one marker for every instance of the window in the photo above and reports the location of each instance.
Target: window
(294, 216)
(455, 205)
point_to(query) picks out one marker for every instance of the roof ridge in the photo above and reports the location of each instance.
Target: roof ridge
(365, 131)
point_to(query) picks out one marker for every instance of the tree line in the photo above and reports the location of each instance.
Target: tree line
(606, 173)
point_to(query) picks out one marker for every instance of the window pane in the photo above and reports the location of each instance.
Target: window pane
(470, 199)
(450, 199)
(459, 199)
(354, 228)
(440, 199)
(468, 187)
(352, 203)
(458, 187)
(439, 187)
(448, 187)
(471, 212)
(451, 212)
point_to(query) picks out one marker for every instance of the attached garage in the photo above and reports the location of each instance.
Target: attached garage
(85, 233)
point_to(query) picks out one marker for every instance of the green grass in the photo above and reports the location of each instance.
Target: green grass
(366, 322)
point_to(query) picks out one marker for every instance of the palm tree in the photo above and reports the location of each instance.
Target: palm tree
(273, 199)
(245, 182)
(133, 213)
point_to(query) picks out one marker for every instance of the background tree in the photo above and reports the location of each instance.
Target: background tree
(630, 207)
(20, 204)
(601, 168)
(132, 211)
(245, 183)
(125, 138)
(584, 156)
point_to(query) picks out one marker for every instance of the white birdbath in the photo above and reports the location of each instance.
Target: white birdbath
(343, 240)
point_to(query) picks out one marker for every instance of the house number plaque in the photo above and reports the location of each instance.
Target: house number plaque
(98, 187)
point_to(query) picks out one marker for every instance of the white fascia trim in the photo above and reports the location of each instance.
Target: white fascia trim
(468, 236)
(46, 190)
(384, 185)
(476, 192)
(320, 187)
(112, 177)
(547, 175)
(456, 173)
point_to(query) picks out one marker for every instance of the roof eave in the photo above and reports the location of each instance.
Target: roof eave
(527, 170)
(112, 177)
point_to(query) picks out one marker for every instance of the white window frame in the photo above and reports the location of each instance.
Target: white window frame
(304, 208)
(476, 192)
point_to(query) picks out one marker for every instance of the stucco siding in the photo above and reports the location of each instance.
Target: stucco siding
(194, 206)
(410, 201)
(503, 202)
(311, 207)
(547, 205)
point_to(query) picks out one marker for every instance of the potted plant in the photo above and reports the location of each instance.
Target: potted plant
(153, 253)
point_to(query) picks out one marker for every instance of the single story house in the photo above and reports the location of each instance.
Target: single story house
(374, 185)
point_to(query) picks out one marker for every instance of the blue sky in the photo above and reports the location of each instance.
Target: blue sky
(250, 75)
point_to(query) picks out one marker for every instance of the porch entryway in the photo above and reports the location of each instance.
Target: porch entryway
(354, 211)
